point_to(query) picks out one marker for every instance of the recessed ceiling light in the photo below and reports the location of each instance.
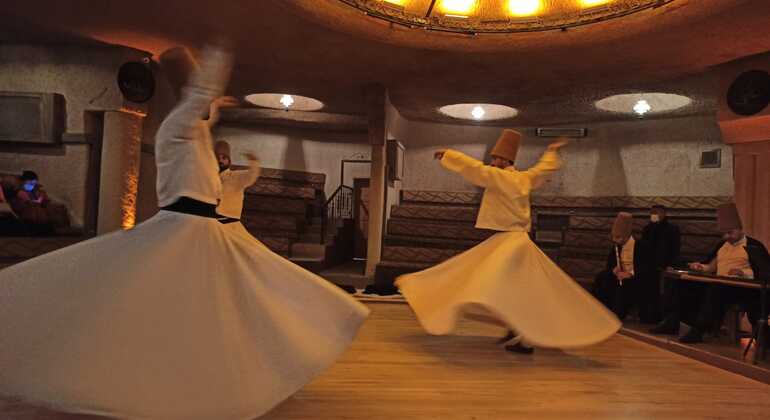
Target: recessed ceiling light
(524, 7)
(642, 107)
(284, 101)
(593, 3)
(479, 112)
(287, 101)
(459, 7)
(643, 103)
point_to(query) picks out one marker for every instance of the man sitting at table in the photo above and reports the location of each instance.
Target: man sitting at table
(707, 300)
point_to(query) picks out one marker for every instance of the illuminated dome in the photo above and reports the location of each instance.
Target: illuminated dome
(643, 103)
(479, 112)
(479, 16)
(284, 101)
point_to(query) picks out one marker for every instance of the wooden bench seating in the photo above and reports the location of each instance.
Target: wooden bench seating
(428, 227)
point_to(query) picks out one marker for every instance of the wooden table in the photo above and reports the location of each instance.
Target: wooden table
(743, 282)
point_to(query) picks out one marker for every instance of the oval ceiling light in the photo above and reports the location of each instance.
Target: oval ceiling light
(593, 3)
(458, 7)
(479, 112)
(284, 101)
(524, 7)
(643, 103)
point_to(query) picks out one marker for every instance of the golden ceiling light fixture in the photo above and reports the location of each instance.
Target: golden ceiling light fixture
(499, 16)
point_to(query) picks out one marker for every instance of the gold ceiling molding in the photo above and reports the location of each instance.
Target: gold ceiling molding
(499, 16)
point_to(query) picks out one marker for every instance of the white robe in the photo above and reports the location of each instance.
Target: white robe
(178, 318)
(233, 184)
(507, 277)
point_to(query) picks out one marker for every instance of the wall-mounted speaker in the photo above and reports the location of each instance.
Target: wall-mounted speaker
(749, 93)
(136, 81)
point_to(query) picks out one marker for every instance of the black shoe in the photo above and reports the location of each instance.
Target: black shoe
(519, 348)
(693, 336)
(508, 337)
(666, 327)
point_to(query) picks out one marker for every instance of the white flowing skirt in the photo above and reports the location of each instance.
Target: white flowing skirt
(179, 318)
(509, 278)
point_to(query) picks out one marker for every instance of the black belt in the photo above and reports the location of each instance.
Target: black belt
(194, 207)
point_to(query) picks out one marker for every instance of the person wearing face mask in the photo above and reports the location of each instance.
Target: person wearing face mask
(507, 279)
(616, 286)
(729, 259)
(662, 244)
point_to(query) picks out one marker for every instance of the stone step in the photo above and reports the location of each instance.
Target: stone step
(315, 238)
(686, 227)
(270, 189)
(310, 179)
(441, 197)
(443, 213)
(278, 222)
(609, 202)
(676, 216)
(259, 204)
(309, 250)
(418, 255)
(316, 265)
(276, 244)
(436, 230)
(418, 241)
(350, 273)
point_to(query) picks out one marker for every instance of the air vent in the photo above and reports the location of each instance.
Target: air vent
(561, 132)
(711, 159)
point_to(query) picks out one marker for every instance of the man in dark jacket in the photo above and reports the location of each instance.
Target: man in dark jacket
(661, 241)
(729, 259)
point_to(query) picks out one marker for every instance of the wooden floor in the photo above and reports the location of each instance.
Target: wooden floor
(395, 371)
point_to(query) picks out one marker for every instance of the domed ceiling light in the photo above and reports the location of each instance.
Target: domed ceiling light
(499, 16)
(284, 101)
(641, 104)
(524, 7)
(479, 112)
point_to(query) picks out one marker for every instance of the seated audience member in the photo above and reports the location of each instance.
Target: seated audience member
(707, 300)
(662, 241)
(617, 286)
(35, 209)
(31, 190)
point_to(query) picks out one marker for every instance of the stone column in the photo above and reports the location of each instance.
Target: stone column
(375, 109)
(119, 174)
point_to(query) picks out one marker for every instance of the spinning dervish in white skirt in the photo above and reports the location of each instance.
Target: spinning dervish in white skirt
(178, 318)
(507, 279)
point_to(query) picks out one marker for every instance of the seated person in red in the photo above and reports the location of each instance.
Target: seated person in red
(31, 190)
(616, 286)
(730, 259)
(30, 204)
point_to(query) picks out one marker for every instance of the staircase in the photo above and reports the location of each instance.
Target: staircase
(285, 210)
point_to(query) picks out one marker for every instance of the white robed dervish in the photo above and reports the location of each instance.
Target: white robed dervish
(234, 183)
(176, 318)
(507, 277)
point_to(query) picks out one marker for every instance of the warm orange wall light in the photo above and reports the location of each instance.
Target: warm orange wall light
(524, 7)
